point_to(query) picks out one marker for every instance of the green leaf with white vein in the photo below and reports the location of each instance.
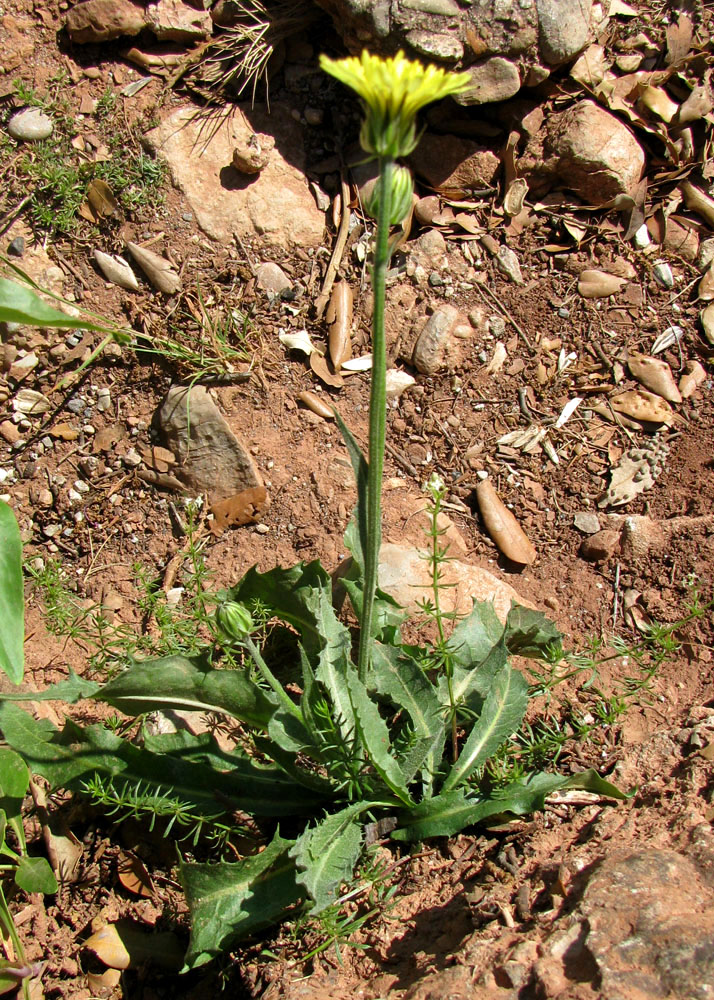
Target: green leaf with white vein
(231, 900)
(450, 812)
(326, 854)
(502, 714)
(188, 682)
(374, 735)
(302, 596)
(398, 676)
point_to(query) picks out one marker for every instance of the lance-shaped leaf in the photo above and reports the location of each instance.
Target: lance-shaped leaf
(71, 690)
(470, 687)
(192, 771)
(398, 676)
(374, 734)
(529, 633)
(12, 600)
(188, 682)
(450, 812)
(231, 900)
(20, 304)
(502, 714)
(302, 596)
(326, 854)
(473, 638)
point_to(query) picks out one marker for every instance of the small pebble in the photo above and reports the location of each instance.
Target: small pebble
(30, 125)
(17, 247)
(104, 400)
(81, 487)
(50, 530)
(586, 522)
(75, 404)
(313, 116)
(262, 529)
(132, 458)
(435, 280)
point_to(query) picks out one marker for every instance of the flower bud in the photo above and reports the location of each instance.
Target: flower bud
(401, 196)
(234, 621)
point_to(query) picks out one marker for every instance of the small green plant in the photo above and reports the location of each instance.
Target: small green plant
(18, 868)
(27, 873)
(12, 605)
(328, 742)
(58, 174)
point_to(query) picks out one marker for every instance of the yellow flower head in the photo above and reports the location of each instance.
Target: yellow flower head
(393, 90)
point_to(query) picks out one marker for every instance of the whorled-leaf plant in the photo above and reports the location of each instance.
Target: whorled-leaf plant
(327, 742)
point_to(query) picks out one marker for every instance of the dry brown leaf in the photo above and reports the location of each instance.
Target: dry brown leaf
(157, 269)
(339, 324)
(705, 289)
(707, 321)
(64, 432)
(679, 40)
(655, 375)
(242, 508)
(124, 944)
(658, 101)
(107, 437)
(109, 948)
(515, 196)
(101, 198)
(593, 284)
(698, 202)
(134, 876)
(694, 375)
(504, 529)
(643, 406)
(314, 403)
(699, 103)
(590, 68)
(321, 368)
(103, 984)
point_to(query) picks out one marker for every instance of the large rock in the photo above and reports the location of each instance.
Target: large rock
(650, 926)
(103, 20)
(454, 166)
(172, 20)
(501, 41)
(563, 29)
(406, 575)
(586, 149)
(210, 458)
(275, 204)
(494, 79)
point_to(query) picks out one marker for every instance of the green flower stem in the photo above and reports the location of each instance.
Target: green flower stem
(377, 415)
(283, 697)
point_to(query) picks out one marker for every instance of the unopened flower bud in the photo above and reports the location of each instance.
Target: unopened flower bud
(234, 620)
(401, 196)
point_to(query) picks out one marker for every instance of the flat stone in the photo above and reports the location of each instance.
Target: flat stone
(30, 125)
(209, 457)
(103, 20)
(494, 79)
(172, 20)
(587, 522)
(564, 28)
(406, 576)
(433, 345)
(454, 166)
(432, 45)
(275, 204)
(447, 8)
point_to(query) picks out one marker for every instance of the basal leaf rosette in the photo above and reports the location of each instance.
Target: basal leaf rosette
(393, 90)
